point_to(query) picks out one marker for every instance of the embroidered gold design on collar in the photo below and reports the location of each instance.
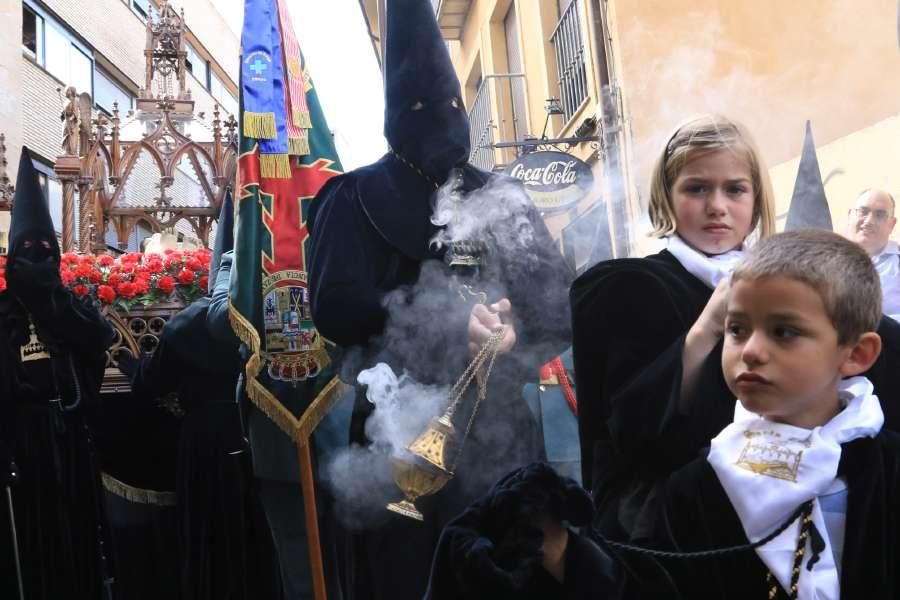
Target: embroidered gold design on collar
(771, 456)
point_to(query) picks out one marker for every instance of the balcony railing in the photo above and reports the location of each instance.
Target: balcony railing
(498, 113)
(566, 39)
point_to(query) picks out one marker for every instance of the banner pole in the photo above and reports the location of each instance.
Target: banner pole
(317, 569)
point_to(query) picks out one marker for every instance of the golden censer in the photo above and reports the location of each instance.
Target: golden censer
(428, 463)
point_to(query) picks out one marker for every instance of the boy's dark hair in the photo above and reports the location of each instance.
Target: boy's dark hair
(838, 269)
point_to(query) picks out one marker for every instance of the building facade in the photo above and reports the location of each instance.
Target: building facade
(628, 72)
(98, 48)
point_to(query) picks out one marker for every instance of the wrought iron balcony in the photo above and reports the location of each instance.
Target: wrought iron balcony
(566, 38)
(497, 114)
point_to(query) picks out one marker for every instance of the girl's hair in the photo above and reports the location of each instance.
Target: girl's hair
(700, 135)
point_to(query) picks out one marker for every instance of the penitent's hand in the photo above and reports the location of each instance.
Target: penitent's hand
(484, 320)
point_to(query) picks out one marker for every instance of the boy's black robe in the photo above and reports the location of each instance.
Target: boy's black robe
(370, 236)
(57, 501)
(694, 513)
(630, 318)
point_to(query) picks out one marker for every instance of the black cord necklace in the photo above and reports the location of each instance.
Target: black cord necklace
(412, 166)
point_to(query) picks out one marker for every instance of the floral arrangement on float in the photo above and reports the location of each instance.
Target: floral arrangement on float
(135, 278)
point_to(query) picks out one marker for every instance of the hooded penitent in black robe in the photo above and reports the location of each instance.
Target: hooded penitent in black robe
(370, 247)
(694, 513)
(630, 318)
(46, 405)
(493, 550)
(224, 550)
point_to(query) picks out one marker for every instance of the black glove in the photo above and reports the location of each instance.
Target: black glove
(127, 364)
(493, 550)
(29, 281)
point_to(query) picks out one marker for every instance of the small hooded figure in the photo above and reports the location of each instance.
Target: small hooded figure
(225, 549)
(52, 358)
(393, 280)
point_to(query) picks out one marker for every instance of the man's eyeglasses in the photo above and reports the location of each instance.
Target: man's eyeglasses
(879, 214)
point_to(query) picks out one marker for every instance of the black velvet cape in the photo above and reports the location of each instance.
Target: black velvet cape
(370, 234)
(225, 548)
(692, 512)
(630, 318)
(57, 500)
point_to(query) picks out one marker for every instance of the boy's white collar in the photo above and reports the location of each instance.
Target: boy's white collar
(769, 469)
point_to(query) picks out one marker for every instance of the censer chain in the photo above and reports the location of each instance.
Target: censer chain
(462, 384)
(490, 347)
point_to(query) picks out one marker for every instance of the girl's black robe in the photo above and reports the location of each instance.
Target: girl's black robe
(630, 318)
(693, 513)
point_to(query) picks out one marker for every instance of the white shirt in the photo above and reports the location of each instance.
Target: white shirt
(887, 263)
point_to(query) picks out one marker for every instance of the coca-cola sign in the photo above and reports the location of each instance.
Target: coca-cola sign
(553, 180)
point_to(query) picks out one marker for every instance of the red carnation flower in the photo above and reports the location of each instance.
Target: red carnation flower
(155, 266)
(114, 279)
(2, 283)
(126, 289)
(165, 284)
(105, 260)
(2, 260)
(173, 262)
(95, 276)
(186, 277)
(203, 282)
(80, 290)
(194, 264)
(83, 270)
(142, 285)
(131, 257)
(67, 275)
(69, 257)
(141, 269)
(106, 293)
(86, 259)
(152, 256)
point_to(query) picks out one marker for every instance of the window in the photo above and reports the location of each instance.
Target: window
(57, 50)
(222, 95)
(107, 92)
(32, 33)
(141, 7)
(198, 67)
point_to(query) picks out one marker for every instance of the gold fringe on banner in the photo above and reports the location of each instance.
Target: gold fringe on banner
(135, 494)
(298, 146)
(259, 125)
(275, 166)
(298, 430)
(301, 119)
(318, 408)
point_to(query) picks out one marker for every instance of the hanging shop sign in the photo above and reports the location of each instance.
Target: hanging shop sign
(555, 181)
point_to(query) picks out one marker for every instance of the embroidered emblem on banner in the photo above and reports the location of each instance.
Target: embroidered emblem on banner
(766, 453)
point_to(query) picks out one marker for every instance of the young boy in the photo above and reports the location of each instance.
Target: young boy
(806, 446)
